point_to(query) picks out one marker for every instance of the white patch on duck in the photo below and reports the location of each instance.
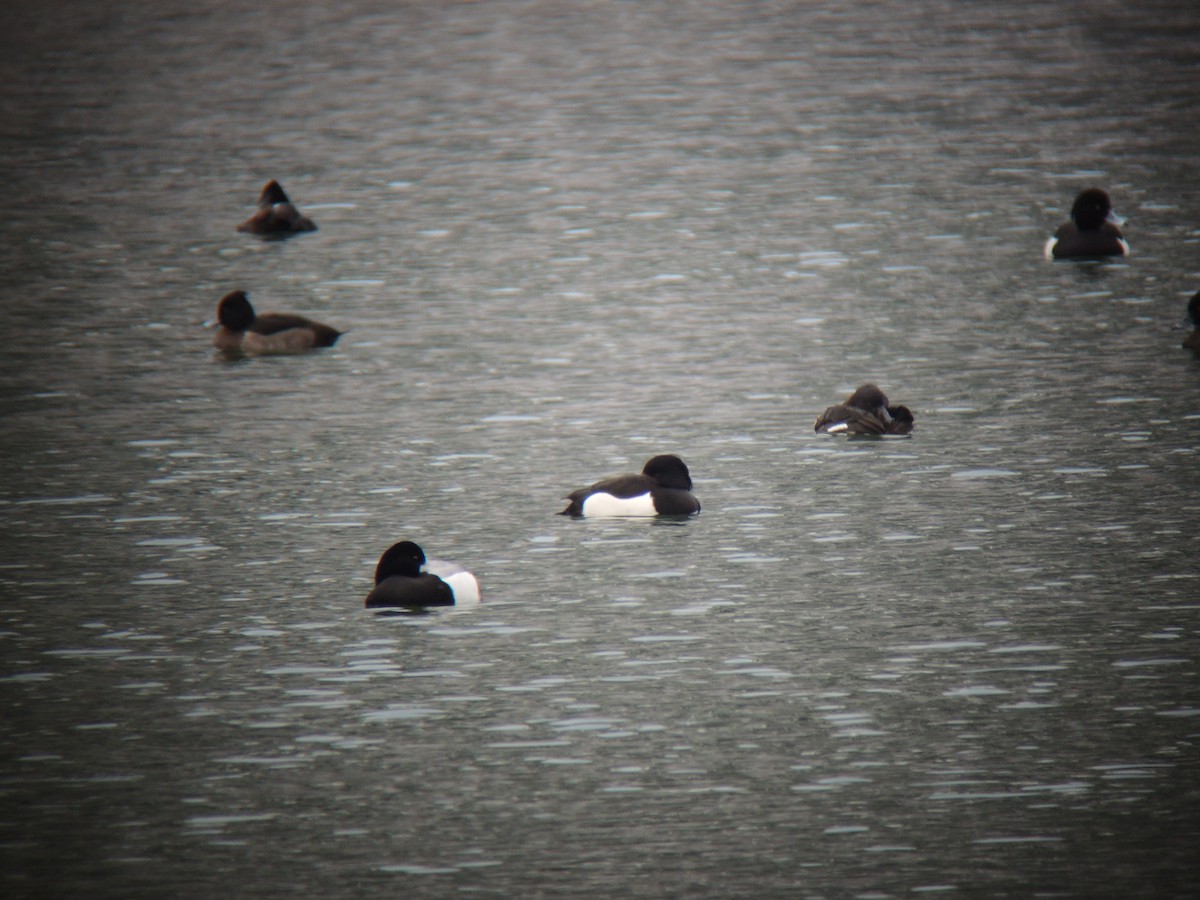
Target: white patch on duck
(601, 505)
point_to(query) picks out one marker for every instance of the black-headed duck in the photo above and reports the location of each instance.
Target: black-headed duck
(865, 412)
(241, 329)
(663, 488)
(1093, 232)
(276, 216)
(405, 578)
(1192, 341)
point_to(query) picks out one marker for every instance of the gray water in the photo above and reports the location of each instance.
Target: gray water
(563, 238)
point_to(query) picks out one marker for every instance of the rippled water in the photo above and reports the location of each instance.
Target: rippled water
(563, 238)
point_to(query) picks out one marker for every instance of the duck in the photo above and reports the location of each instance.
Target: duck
(866, 412)
(276, 216)
(663, 488)
(240, 329)
(1192, 341)
(405, 578)
(1093, 232)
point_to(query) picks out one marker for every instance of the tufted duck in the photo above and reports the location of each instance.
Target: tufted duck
(664, 488)
(1094, 230)
(865, 412)
(241, 329)
(404, 577)
(276, 216)
(1192, 341)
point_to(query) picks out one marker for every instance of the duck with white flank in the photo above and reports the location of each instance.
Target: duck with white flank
(405, 578)
(865, 412)
(663, 488)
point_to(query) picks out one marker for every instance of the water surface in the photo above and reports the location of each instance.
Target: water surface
(563, 238)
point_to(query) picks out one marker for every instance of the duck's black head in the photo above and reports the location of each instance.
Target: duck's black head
(404, 558)
(669, 471)
(272, 194)
(1091, 209)
(235, 312)
(868, 397)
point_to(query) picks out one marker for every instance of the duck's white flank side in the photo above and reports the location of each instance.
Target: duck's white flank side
(601, 504)
(462, 582)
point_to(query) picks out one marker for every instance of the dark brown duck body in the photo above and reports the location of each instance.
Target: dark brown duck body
(276, 216)
(1094, 231)
(865, 412)
(1192, 341)
(241, 329)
